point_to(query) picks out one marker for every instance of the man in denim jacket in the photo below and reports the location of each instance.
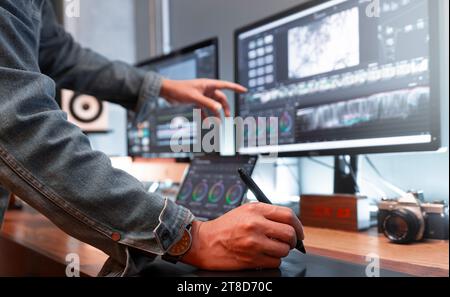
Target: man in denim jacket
(49, 163)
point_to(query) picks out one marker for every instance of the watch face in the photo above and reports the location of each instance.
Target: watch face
(182, 246)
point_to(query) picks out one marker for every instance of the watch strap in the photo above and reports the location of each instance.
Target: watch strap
(185, 243)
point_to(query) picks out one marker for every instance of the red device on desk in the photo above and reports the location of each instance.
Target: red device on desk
(340, 211)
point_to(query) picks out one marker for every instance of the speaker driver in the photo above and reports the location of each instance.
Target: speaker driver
(85, 109)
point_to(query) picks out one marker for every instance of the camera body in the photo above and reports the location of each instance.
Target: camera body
(407, 219)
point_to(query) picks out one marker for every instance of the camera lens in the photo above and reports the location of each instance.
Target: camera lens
(401, 226)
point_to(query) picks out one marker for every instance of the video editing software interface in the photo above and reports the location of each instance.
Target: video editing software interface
(337, 77)
(212, 185)
(151, 130)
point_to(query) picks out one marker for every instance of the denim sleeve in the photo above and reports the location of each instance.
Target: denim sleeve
(49, 163)
(75, 68)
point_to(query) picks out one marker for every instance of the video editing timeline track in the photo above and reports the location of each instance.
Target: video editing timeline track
(181, 123)
(400, 104)
(379, 60)
(269, 119)
(212, 186)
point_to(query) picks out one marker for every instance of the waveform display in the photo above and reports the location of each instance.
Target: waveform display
(373, 74)
(383, 106)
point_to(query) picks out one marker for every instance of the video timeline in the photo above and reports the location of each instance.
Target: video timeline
(181, 126)
(275, 125)
(401, 104)
(372, 74)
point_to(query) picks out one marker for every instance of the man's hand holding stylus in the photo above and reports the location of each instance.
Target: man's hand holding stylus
(252, 236)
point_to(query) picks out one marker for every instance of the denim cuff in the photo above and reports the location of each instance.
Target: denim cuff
(151, 88)
(172, 222)
(173, 219)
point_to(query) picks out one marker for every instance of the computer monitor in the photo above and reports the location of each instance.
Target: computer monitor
(212, 185)
(342, 77)
(151, 129)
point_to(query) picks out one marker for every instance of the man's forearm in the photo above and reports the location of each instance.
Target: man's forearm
(49, 163)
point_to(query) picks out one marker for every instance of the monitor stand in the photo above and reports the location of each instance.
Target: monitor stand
(345, 168)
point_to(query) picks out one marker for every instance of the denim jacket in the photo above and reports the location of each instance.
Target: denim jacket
(49, 163)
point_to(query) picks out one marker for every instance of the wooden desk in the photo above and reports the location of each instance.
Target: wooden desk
(29, 237)
(44, 245)
(428, 258)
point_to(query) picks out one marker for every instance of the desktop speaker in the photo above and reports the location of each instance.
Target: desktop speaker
(87, 112)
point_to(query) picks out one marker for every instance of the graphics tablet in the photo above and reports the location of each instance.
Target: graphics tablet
(212, 186)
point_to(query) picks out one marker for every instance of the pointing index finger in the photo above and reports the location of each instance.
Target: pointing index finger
(229, 86)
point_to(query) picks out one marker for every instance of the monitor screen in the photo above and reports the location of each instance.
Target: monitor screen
(212, 185)
(341, 76)
(151, 129)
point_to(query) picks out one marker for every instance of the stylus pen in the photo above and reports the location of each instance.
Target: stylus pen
(263, 199)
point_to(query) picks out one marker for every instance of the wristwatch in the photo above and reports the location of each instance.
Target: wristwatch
(180, 248)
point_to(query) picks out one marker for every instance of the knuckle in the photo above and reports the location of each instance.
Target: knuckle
(250, 226)
(272, 210)
(253, 207)
(247, 226)
(204, 82)
(290, 215)
(251, 243)
(292, 234)
(192, 96)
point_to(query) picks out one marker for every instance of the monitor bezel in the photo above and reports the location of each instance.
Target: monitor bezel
(435, 89)
(175, 54)
(183, 51)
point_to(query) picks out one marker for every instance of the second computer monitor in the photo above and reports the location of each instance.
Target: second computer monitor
(151, 130)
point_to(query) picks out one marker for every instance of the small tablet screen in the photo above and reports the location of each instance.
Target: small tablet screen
(212, 185)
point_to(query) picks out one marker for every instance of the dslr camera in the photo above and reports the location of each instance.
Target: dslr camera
(409, 219)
